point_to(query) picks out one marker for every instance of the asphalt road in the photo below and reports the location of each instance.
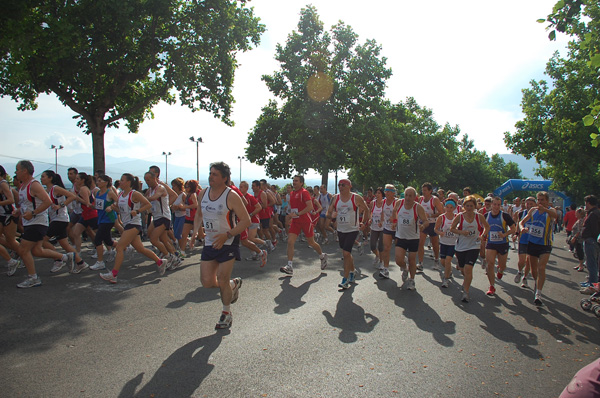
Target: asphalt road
(147, 336)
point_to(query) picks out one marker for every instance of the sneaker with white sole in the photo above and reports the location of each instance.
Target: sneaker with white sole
(287, 270)
(263, 258)
(484, 264)
(445, 283)
(57, 266)
(375, 262)
(30, 282)
(236, 289)
(419, 268)
(524, 282)
(465, 297)
(253, 257)
(71, 260)
(384, 273)
(518, 277)
(324, 261)
(538, 299)
(410, 284)
(13, 264)
(98, 266)
(436, 264)
(108, 276)
(345, 284)
(225, 320)
(351, 277)
(164, 263)
(80, 267)
(404, 275)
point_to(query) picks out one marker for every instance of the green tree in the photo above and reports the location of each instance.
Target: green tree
(553, 130)
(581, 19)
(329, 89)
(114, 60)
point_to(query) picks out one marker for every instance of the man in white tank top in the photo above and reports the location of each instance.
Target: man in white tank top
(348, 206)
(220, 207)
(410, 221)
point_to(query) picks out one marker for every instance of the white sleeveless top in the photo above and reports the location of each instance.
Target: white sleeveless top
(60, 215)
(29, 203)
(448, 237)
(347, 214)
(407, 227)
(178, 201)
(388, 215)
(472, 241)
(126, 206)
(376, 217)
(217, 217)
(429, 208)
(160, 207)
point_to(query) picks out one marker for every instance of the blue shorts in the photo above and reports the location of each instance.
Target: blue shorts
(226, 253)
(178, 226)
(430, 230)
(446, 251)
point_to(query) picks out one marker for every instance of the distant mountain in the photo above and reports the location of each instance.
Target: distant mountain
(527, 166)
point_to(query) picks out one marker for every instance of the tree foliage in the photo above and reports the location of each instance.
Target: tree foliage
(113, 60)
(553, 130)
(581, 20)
(329, 92)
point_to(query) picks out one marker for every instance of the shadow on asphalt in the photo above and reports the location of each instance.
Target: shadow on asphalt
(290, 297)
(415, 308)
(181, 373)
(200, 295)
(350, 318)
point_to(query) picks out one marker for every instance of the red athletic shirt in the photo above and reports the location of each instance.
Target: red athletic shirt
(298, 201)
(251, 206)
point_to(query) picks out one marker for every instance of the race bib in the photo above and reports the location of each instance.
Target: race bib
(535, 231)
(211, 225)
(495, 237)
(99, 204)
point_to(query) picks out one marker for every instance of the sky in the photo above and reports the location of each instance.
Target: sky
(467, 60)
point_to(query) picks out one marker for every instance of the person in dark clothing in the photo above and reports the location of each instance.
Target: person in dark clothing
(589, 234)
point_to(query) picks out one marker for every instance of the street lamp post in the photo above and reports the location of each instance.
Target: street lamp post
(197, 141)
(56, 148)
(167, 166)
(241, 158)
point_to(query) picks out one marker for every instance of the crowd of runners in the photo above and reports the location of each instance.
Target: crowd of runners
(36, 216)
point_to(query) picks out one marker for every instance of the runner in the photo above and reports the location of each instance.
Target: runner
(252, 241)
(130, 204)
(264, 215)
(59, 219)
(540, 241)
(218, 211)
(410, 220)
(178, 215)
(190, 207)
(300, 205)
(487, 207)
(348, 205)
(88, 220)
(471, 229)
(389, 229)
(8, 223)
(376, 221)
(325, 201)
(33, 205)
(105, 198)
(447, 240)
(523, 265)
(433, 208)
(158, 196)
(497, 246)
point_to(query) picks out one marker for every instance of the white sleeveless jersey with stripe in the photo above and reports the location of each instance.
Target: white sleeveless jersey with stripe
(216, 216)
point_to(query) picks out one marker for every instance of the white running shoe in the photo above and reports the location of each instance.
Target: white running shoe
(384, 273)
(98, 266)
(324, 261)
(404, 275)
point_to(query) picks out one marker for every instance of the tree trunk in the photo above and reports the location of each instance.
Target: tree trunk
(98, 147)
(324, 177)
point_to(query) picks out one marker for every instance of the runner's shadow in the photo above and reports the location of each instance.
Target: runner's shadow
(181, 373)
(290, 296)
(200, 295)
(350, 318)
(424, 317)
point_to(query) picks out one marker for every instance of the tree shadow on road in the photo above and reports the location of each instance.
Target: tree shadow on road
(181, 373)
(424, 317)
(290, 297)
(350, 318)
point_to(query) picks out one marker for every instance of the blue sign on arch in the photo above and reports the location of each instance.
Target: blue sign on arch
(529, 185)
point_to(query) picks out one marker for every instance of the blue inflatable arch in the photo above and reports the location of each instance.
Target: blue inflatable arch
(529, 185)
